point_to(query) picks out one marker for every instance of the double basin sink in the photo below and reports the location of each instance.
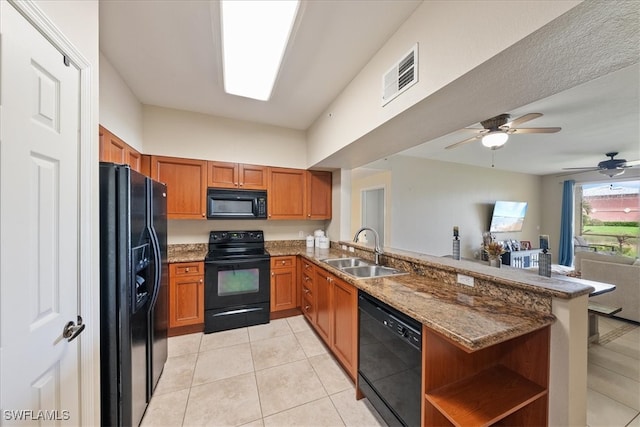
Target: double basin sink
(361, 269)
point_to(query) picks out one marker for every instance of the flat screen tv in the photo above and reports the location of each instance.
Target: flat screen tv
(507, 216)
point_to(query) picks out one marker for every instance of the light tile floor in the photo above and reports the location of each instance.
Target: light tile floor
(279, 374)
(613, 377)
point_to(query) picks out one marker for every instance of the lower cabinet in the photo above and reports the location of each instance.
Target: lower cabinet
(186, 294)
(335, 317)
(283, 283)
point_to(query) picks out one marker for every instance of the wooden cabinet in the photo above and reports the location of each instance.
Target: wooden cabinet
(334, 316)
(505, 384)
(237, 175)
(344, 321)
(186, 294)
(283, 283)
(113, 149)
(286, 197)
(299, 194)
(323, 307)
(186, 181)
(307, 290)
(318, 195)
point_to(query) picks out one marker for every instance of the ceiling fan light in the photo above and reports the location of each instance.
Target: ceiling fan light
(612, 172)
(495, 139)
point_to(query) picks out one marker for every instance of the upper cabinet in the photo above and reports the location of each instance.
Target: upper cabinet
(318, 195)
(237, 175)
(113, 149)
(186, 181)
(299, 194)
(286, 198)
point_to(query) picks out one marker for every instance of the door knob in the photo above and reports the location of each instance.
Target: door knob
(71, 330)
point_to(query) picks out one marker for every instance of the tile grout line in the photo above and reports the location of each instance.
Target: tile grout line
(193, 374)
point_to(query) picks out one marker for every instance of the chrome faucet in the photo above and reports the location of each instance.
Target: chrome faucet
(377, 249)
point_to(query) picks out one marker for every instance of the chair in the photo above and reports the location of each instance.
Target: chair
(581, 245)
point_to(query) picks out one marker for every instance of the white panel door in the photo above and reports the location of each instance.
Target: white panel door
(39, 175)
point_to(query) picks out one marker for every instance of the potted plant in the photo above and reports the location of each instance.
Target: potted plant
(494, 250)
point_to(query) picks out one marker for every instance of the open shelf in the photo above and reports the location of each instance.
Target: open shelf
(486, 397)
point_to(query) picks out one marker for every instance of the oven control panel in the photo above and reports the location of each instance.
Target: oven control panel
(236, 236)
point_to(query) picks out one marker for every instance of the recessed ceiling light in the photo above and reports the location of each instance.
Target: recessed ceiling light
(254, 38)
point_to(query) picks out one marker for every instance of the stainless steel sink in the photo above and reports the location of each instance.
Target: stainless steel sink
(369, 271)
(341, 263)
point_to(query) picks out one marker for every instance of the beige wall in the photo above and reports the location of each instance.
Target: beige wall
(120, 110)
(445, 53)
(366, 180)
(427, 198)
(179, 133)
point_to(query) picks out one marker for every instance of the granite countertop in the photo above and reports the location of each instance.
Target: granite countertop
(472, 317)
(470, 320)
(191, 252)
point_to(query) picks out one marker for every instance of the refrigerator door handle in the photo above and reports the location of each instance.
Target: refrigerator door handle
(157, 258)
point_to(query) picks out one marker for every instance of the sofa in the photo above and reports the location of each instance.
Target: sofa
(622, 271)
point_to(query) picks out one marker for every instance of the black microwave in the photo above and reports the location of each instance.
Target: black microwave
(236, 204)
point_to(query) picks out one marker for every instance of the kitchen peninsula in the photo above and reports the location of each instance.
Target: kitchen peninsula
(506, 311)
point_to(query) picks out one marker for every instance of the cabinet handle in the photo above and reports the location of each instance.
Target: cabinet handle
(307, 307)
(273, 274)
(200, 280)
(306, 291)
(203, 215)
(283, 262)
(186, 270)
(306, 278)
(241, 184)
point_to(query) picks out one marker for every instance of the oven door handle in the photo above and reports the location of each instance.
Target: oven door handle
(236, 261)
(239, 311)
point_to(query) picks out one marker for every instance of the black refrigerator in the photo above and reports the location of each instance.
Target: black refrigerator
(133, 292)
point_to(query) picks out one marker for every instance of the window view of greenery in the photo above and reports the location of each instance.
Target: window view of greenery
(611, 217)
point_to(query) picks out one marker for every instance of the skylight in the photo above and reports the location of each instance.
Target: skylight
(254, 37)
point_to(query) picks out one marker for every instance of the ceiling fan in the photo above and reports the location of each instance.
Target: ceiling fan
(611, 167)
(497, 130)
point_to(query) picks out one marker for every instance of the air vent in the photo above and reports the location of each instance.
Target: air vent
(401, 76)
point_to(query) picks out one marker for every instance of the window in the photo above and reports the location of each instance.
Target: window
(610, 217)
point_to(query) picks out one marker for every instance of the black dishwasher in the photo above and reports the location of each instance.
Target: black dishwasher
(390, 361)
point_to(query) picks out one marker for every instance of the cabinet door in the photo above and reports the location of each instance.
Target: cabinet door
(283, 283)
(283, 289)
(318, 195)
(322, 282)
(186, 181)
(286, 197)
(112, 148)
(345, 325)
(222, 174)
(252, 177)
(134, 159)
(186, 294)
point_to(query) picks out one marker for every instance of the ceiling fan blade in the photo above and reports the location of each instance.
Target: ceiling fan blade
(632, 163)
(536, 130)
(473, 138)
(523, 119)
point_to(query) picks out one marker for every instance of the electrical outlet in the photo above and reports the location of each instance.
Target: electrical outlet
(465, 280)
(352, 249)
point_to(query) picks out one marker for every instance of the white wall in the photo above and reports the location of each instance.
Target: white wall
(428, 198)
(120, 110)
(366, 181)
(179, 133)
(453, 38)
